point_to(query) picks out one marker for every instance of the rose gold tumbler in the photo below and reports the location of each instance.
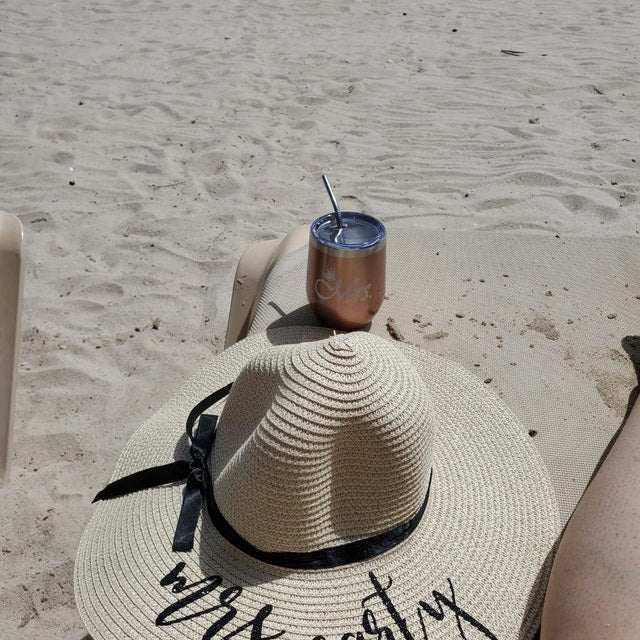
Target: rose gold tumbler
(346, 269)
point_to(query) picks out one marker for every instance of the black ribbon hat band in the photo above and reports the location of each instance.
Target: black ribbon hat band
(199, 489)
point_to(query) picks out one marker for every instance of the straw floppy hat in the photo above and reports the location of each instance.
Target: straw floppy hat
(348, 487)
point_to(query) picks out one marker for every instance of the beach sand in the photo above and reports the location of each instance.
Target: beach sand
(146, 143)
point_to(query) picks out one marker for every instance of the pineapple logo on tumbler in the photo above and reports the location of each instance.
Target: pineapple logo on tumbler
(346, 267)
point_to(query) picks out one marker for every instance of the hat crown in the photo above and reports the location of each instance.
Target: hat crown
(323, 443)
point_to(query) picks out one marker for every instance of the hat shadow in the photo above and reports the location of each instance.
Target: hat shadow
(301, 317)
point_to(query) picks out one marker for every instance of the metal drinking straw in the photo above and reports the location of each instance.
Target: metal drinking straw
(336, 208)
(334, 202)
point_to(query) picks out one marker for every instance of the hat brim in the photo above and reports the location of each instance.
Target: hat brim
(475, 567)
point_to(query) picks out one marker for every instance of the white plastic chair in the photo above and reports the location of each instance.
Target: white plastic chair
(11, 277)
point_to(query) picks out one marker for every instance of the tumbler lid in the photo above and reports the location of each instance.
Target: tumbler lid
(359, 231)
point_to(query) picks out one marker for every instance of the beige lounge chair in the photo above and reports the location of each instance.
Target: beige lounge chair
(11, 275)
(548, 322)
(254, 266)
